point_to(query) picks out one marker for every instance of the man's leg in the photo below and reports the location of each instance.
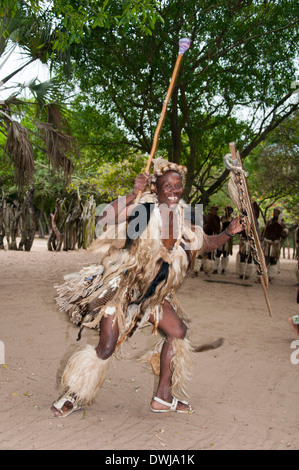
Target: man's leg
(108, 337)
(89, 368)
(174, 328)
(224, 262)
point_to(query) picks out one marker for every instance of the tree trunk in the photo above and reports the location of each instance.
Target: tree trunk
(41, 233)
(191, 169)
(71, 226)
(176, 131)
(88, 217)
(28, 222)
(48, 228)
(40, 219)
(2, 229)
(11, 218)
(56, 238)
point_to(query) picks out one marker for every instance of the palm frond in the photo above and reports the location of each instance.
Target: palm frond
(36, 42)
(10, 101)
(58, 148)
(43, 91)
(59, 142)
(34, 35)
(12, 26)
(56, 114)
(9, 50)
(19, 149)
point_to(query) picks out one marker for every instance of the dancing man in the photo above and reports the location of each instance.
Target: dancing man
(136, 283)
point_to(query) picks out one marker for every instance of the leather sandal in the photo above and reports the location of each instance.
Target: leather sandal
(60, 403)
(172, 406)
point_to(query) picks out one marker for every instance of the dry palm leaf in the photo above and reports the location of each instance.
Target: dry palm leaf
(19, 149)
(59, 142)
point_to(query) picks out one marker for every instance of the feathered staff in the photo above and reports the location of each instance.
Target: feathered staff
(239, 193)
(184, 45)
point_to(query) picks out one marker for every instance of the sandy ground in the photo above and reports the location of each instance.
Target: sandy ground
(245, 392)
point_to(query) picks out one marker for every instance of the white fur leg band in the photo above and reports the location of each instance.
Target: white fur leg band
(182, 366)
(84, 374)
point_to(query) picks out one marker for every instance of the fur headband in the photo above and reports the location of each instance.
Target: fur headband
(161, 166)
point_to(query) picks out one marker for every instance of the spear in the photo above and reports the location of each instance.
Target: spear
(184, 45)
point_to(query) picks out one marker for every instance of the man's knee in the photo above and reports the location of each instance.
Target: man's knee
(183, 331)
(105, 350)
(106, 346)
(179, 332)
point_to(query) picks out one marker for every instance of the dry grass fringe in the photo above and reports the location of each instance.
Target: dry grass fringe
(84, 374)
(182, 367)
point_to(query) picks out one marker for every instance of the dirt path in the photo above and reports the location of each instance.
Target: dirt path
(244, 392)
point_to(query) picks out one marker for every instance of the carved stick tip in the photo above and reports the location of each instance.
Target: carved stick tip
(184, 45)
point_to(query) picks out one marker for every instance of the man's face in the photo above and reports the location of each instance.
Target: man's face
(169, 188)
(276, 214)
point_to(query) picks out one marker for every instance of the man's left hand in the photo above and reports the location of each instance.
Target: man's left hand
(237, 225)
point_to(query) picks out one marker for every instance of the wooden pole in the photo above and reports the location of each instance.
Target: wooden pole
(184, 46)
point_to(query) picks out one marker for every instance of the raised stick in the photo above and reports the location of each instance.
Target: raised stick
(184, 45)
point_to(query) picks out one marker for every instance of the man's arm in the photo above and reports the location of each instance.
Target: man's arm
(119, 210)
(212, 242)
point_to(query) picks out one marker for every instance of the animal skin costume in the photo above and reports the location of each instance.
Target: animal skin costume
(274, 234)
(223, 253)
(244, 260)
(132, 280)
(212, 226)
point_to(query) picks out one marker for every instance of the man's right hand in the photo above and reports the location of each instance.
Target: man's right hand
(141, 182)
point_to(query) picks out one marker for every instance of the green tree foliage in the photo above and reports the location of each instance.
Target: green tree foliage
(109, 180)
(44, 30)
(235, 83)
(79, 18)
(274, 169)
(108, 165)
(96, 133)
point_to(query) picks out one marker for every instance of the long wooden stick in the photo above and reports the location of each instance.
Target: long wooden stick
(184, 45)
(264, 280)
